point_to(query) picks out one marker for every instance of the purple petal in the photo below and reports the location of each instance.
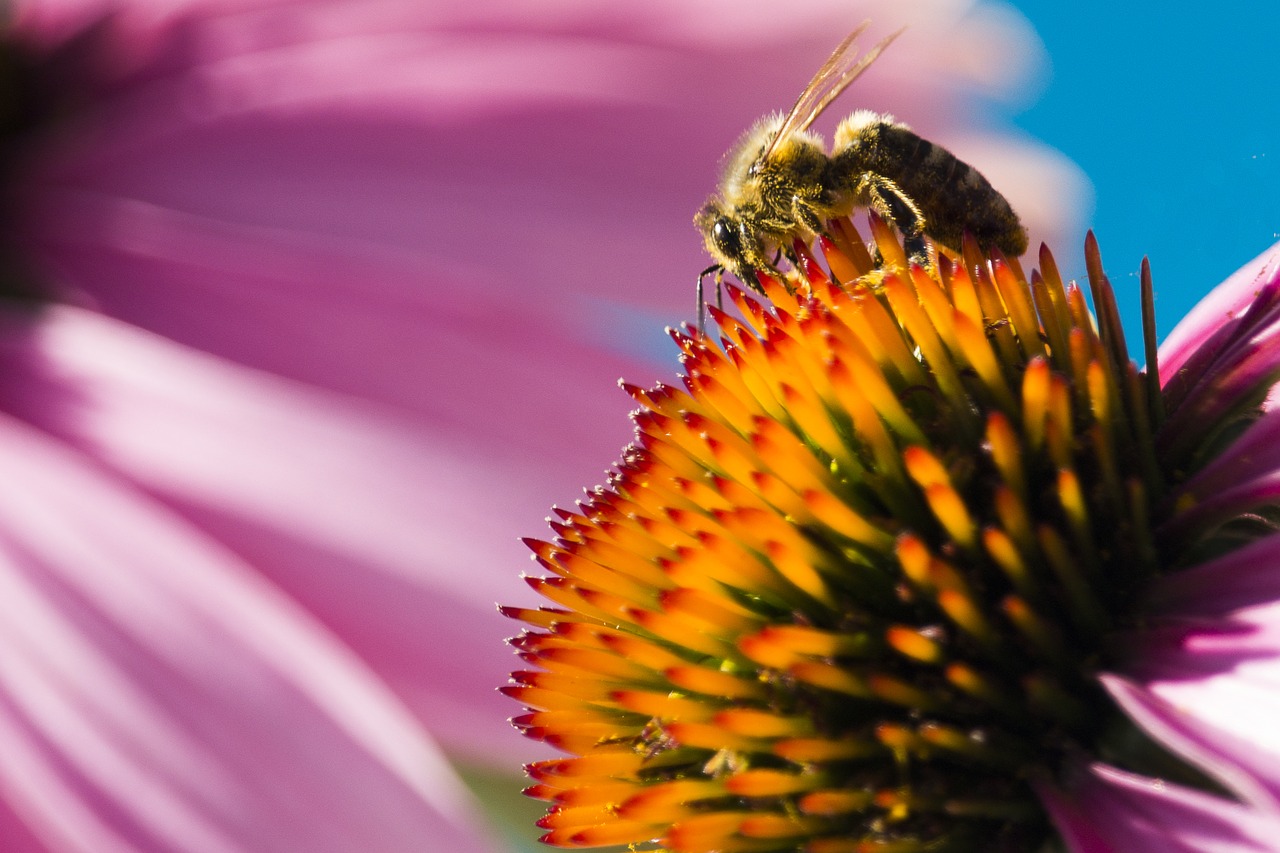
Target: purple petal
(1240, 580)
(1217, 508)
(156, 693)
(1105, 810)
(1254, 455)
(1239, 377)
(1242, 478)
(1215, 322)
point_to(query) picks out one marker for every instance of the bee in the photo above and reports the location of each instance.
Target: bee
(781, 183)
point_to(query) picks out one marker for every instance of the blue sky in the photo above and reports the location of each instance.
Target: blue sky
(1175, 117)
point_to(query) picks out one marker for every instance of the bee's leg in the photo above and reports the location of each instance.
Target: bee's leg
(887, 199)
(718, 269)
(909, 220)
(754, 260)
(804, 211)
(787, 252)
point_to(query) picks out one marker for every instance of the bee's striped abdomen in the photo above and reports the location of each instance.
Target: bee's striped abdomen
(953, 196)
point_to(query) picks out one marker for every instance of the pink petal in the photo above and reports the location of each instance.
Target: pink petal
(155, 693)
(398, 540)
(1227, 301)
(1105, 810)
(1211, 697)
(17, 836)
(1204, 677)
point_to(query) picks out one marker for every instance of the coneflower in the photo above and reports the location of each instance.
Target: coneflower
(919, 560)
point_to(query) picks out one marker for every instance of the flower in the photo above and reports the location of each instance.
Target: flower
(266, 343)
(919, 560)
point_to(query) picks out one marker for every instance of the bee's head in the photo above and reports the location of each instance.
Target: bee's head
(727, 237)
(721, 231)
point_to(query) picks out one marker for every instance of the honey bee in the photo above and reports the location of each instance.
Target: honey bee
(781, 184)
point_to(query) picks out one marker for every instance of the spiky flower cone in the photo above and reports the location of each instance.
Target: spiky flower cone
(853, 587)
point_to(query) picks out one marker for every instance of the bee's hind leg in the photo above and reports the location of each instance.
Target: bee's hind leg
(887, 199)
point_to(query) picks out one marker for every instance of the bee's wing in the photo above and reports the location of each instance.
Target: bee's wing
(841, 68)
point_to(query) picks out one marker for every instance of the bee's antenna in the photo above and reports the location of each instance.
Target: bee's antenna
(718, 269)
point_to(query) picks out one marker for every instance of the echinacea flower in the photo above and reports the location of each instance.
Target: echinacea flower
(918, 560)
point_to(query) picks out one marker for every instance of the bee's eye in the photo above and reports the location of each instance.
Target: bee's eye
(726, 236)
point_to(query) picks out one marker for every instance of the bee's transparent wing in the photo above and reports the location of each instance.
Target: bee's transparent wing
(849, 71)
(816, 90)
(841, 68)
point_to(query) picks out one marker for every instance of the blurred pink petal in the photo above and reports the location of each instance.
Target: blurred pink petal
(311, 501)
(157, 694)
(1110, 811)
(1239, 582)
(525, 218)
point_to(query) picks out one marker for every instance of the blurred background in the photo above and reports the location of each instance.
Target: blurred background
(334, 297)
